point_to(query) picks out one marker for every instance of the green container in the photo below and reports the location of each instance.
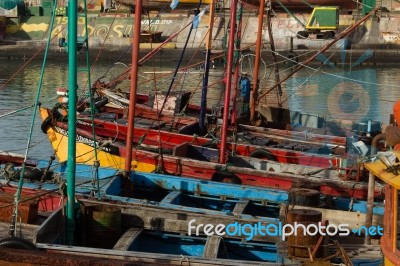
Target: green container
(47, 3)
(47, 11)
(324, 18)
(367, 6)
(103, 226)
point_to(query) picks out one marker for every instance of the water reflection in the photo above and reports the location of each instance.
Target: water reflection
(359, 94)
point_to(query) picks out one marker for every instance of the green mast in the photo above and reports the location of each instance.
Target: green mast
(72, 94)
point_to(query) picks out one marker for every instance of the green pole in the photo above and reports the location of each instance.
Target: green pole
(72, 94)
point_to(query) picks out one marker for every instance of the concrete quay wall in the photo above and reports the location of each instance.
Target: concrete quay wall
(112, 34)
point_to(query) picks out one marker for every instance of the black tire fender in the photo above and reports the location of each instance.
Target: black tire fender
(30, 173)
(17, 243)
(101, 102)
(45, 124)
(262, 154)
(225, 177)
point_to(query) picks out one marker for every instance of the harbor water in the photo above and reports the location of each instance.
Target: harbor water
(357, 94)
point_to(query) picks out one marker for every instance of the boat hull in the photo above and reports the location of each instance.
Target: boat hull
(266, 175)
(292, 155)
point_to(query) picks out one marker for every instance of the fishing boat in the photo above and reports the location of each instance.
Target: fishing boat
(285, 139)
(190, 160)
(175, 201)
(304, 152)
(167, 192)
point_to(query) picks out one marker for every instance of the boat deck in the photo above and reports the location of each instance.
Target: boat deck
(27, 231)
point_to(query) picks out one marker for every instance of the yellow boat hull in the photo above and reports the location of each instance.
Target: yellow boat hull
(85, 153)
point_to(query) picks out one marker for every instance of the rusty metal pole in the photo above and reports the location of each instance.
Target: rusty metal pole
(234, 114)
(371, 187)
(207, 62)
(370, 206)
(228, 73)
(132, 96)
(273, 53)
(254, 90)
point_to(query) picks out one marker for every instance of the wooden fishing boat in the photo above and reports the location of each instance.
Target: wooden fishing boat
(146, 116)
(307, 141)
(110, 123)
(154, 200)
(172, 192)
(202, 162)
(159, 210)
(257, 136)
(294, 152)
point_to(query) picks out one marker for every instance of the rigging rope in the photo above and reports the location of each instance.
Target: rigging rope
(12, 231)
(25, 108)
(180, 61)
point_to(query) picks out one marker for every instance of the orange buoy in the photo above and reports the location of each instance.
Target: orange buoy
(396, 112)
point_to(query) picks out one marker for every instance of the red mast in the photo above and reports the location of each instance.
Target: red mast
(228, 73)
(132, 96)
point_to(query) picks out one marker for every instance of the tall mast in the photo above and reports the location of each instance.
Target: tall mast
(132, 96)
(72, 94)
(256, 82)
(228, 73)
(273, 53)
(203, 105)
(234, 114)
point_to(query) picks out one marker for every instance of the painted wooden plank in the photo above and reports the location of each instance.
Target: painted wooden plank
(127, 238)
(154, 258)
(170, 198)
(212, 247)
(353, 219)
(240, 206)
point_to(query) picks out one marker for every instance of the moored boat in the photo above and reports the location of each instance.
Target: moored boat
(202, 162)
(160, 209)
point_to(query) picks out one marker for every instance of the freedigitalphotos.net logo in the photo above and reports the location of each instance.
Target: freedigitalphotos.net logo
(349, 93)
(250, 231)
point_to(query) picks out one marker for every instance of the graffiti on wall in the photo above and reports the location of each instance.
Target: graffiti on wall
(110, 30)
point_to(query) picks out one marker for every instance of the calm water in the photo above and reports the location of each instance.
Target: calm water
(21, 91)
(353, 94)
